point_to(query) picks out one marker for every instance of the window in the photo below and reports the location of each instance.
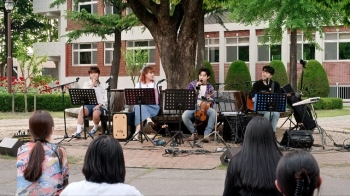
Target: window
(337, 46)
(268, 52)
(211, 52)
(89, 5)
(237, 49)
(147, 46)
(85, 54)
(108, 53)
(305, 51)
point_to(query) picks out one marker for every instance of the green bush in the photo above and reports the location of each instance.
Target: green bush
(50, 102)
(212, 76)
(315, 80)
(280, 74)
(329, 104)
(237, 77)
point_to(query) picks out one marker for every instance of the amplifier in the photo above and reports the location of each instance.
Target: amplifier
(123, 125)
(297, 139)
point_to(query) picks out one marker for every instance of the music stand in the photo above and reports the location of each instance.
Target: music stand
(140, 96)
(179, 99)
(272, 102)
(83, 97)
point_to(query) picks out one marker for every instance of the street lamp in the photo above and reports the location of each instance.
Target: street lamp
(9, 7)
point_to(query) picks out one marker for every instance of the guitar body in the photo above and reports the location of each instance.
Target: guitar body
(250, 103)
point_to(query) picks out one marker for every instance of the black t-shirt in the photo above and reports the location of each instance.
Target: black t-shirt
(260, 87)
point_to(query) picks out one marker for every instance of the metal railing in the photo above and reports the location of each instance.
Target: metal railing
(340, 91)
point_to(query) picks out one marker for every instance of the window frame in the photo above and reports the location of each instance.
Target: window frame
(237, 44)
(208, 45)
(88, 2)
(337, 41)
(79, 50)
(150, 47)
(269, 47)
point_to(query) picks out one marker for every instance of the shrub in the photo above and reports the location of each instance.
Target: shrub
(238, 77)
(315, 80)
(280, 75)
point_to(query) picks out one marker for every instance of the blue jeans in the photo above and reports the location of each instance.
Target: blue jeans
(275, 116)
(188, 114)
(147, 111)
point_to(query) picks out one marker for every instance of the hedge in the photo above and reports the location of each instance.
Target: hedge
(50, 102)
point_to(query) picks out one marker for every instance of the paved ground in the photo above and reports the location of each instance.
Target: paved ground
(193, 173)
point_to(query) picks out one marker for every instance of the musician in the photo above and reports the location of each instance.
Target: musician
(147, 111)
(266, 84)
(91, 110)
(203, 90)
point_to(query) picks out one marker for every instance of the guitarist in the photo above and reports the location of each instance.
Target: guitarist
(203, 89)
(269, 86)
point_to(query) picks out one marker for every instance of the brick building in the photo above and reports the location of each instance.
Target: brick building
(222, 47)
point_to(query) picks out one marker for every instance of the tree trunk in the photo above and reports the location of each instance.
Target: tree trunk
(201, 42)
(293, 60)
(175, 36)
(116, 58)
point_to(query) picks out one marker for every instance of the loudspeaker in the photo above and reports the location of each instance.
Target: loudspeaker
(123, 125)
(9, 146)
(228, 154)
(297, 139)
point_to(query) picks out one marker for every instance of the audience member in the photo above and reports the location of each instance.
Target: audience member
(252, 170)
(42, 167)
(298, 174)
(104, 171)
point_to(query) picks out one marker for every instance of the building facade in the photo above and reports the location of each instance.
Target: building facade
(223, 46)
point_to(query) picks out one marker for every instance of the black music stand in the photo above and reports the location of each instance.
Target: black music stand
(140, 96)
(271, 102)
(83, 97)
(179, 99)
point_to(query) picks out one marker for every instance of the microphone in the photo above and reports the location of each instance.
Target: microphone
(267, 80)
(110, 77)
(199, 85)
(160, 81)
(77, 79)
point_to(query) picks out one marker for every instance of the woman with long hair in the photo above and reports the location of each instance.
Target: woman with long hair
(252, 170)
(42, 167)
(104, 170)
(298, 174)
(147, 111)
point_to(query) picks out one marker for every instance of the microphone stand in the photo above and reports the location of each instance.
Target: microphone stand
(63, 107)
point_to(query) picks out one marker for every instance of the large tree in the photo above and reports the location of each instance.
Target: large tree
(175, 34)
(26, 28)
(102, 26)
(286, 15)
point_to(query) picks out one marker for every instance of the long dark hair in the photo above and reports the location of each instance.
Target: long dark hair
(259, 155)
(298, 174)
(104, 161)
(40, 127)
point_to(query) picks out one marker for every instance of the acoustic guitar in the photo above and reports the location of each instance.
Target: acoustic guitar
(250, 102)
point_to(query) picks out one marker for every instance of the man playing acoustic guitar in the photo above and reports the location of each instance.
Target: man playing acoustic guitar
(203, 90)
(269, 86)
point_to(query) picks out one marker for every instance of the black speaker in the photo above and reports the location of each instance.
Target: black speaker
(228, 154)
(9, 146)
(297, 139)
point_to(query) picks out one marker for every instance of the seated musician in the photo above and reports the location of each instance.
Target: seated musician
(267, 85)
(203, 89)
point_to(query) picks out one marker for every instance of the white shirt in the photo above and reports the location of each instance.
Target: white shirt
(98, 91)
(90, 188)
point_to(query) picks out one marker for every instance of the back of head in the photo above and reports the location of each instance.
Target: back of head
(298, 174)
(104, 161)
(40, 128)
(259, 155)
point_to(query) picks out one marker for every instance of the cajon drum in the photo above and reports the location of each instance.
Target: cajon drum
(123, 125)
